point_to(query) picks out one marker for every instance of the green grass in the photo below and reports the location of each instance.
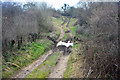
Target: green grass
(65, 29)
(58, 21)
(71, 68)
(74, 46)
(66, 35)
(72, 21)
(73, 28)
(45, 68)
(24, 56)
(65, 24)
(64, 17)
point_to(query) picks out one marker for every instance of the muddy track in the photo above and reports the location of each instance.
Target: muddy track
(60, 68)
(62, 31)
(61, 34)
(27, 70)
(64, 22)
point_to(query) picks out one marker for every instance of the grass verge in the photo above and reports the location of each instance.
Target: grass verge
(74, 63)
(66, 35)
(72, 27)
(65, 29)
(24, 56)
(57, 20)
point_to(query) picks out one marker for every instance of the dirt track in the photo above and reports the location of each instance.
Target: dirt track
(60, 68)
(25, 71)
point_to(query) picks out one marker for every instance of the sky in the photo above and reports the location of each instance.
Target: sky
(54, 3)
(57, 4)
